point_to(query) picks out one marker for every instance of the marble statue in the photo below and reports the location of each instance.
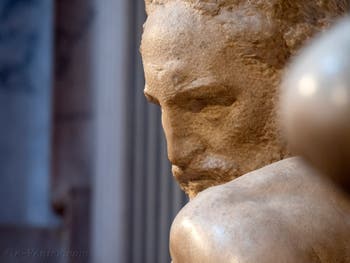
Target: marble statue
(215, 68)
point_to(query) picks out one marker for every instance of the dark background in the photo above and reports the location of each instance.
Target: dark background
(84, 175)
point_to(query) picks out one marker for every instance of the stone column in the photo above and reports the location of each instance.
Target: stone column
(135, 196)
(73, 116)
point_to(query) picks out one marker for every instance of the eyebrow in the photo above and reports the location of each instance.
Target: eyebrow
(199, 85)
(202, 82)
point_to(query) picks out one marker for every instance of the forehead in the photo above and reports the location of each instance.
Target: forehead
(177, 29)
(177, 45)
(180, 43)
(212, 4)
(172, 28)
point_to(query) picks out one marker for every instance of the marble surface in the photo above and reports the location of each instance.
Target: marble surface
(316, 103)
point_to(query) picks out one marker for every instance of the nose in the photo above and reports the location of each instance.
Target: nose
(183, 136)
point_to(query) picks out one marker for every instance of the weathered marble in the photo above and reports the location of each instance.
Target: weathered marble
(219, 98)
(215, 67)
(283, 212)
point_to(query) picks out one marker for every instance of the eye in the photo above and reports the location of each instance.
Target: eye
(198, 104)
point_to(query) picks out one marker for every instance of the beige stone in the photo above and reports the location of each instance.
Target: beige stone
(283, 212)
(215, 68)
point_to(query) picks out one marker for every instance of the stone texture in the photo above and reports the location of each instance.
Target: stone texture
(215, 69)
(283, 212)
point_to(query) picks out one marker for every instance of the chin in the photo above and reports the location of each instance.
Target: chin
(195, 179)
(193, 183)
(192, 188)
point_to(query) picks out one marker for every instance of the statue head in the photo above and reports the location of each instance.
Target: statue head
(214, 67)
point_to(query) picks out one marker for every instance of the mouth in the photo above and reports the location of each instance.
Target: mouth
(204, 173)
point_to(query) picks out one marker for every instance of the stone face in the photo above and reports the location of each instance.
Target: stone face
(215, 68)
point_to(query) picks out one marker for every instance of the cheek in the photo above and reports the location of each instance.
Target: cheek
(218, 126)
(206, 125)
(228, 129)
(216, 115)
(232, 128)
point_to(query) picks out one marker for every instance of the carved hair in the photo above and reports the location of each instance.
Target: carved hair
(297, 19)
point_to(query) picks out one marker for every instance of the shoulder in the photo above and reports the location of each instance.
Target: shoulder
(255, 218)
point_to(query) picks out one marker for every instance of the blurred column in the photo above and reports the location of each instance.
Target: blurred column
(156, 197)
(73, 109)
(111, 185)
(25, 103)
(135, 196)
(73, 120)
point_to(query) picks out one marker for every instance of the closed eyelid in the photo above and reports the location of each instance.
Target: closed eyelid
(205, 91)
(199, 98)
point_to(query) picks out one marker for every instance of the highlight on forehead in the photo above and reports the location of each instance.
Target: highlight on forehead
(330, 7)
(292, 21)
(208, 6)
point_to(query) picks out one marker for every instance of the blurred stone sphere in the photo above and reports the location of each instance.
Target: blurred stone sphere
(315, 104)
